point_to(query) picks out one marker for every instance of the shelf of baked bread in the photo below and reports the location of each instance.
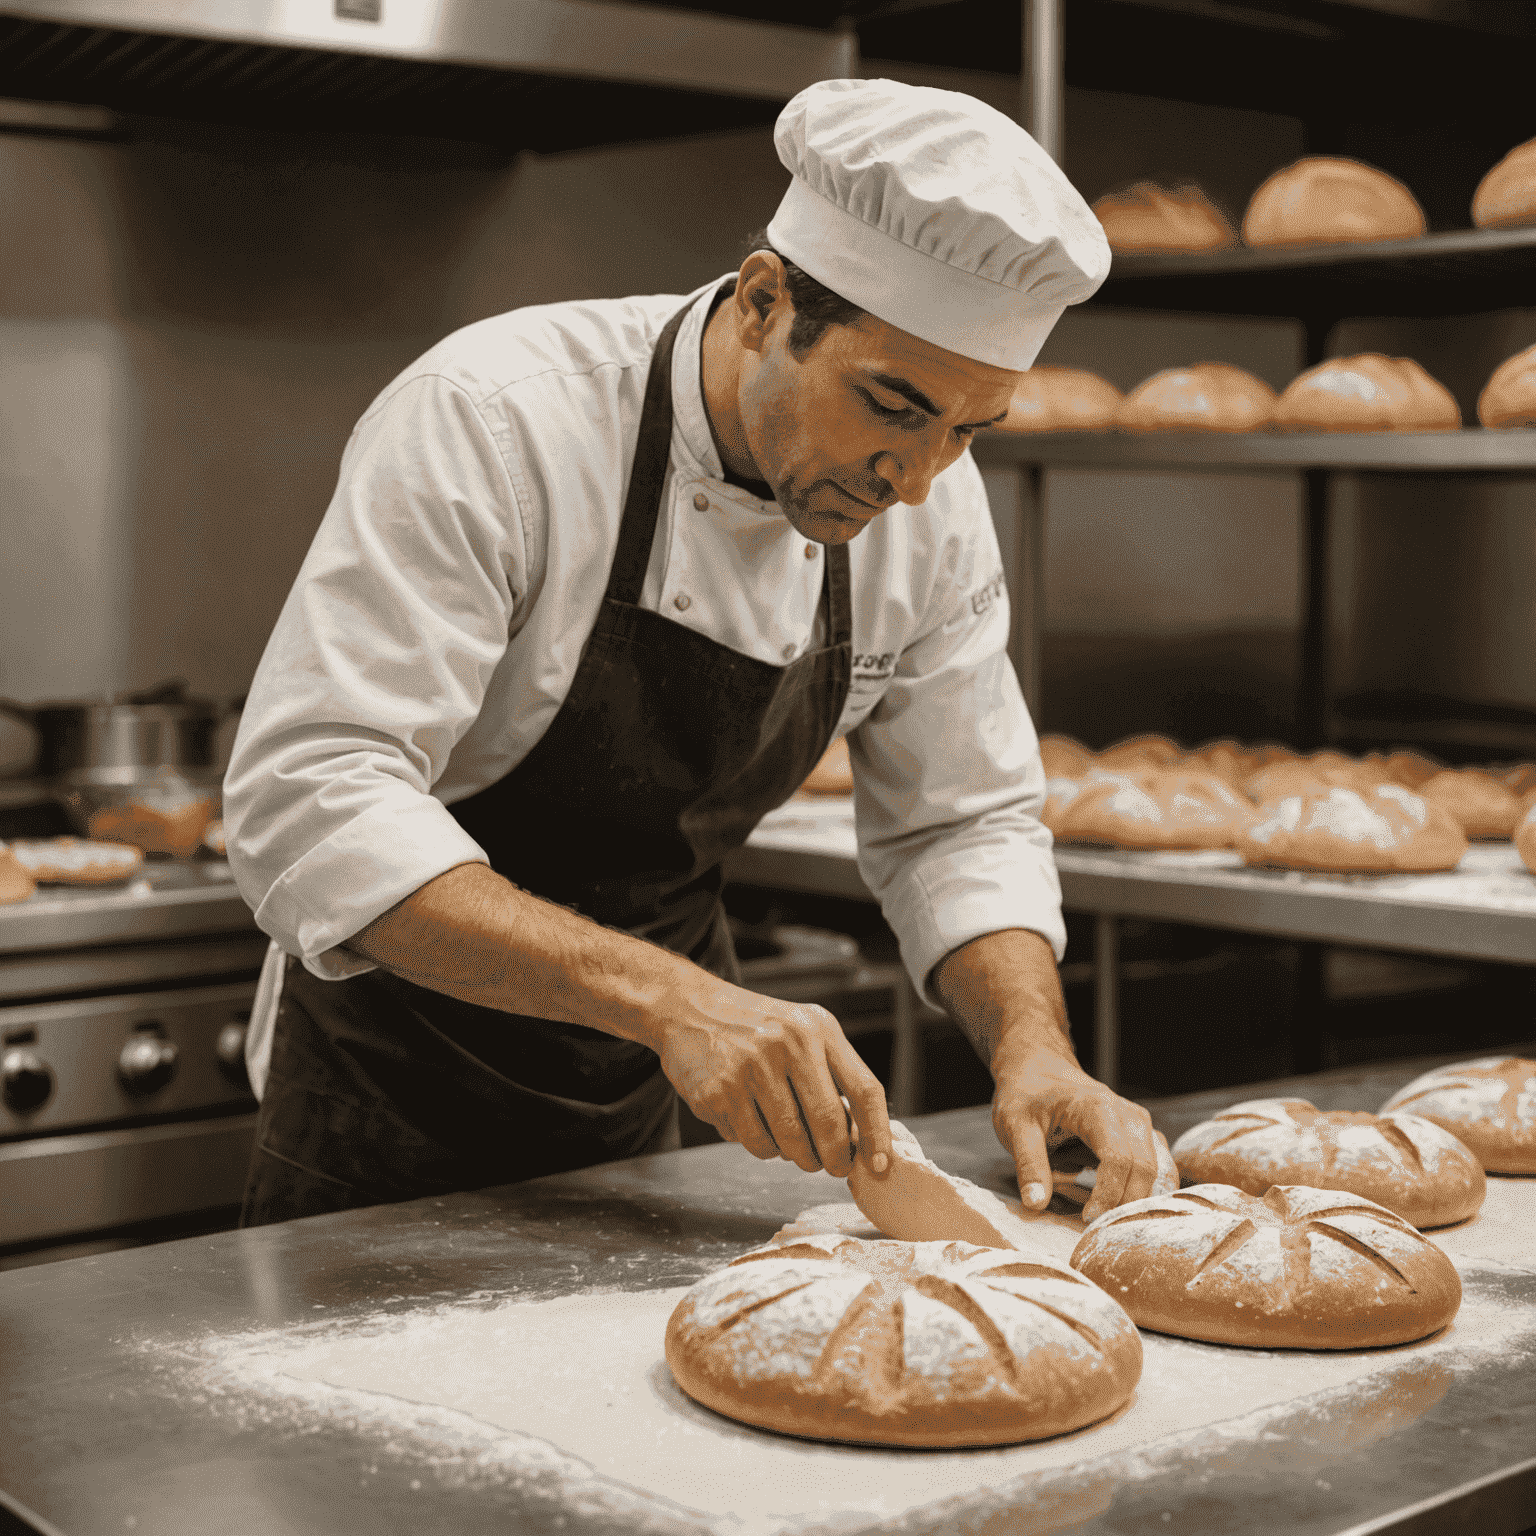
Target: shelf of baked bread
(1485, 909)
(1470, 451)
(1457, 272)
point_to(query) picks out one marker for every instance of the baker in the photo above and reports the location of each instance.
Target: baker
(599, 583)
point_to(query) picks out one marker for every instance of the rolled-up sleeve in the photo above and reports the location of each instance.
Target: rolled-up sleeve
(948, 785)
(378, 665)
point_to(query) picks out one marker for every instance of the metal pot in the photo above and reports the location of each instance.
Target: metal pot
(154, 728)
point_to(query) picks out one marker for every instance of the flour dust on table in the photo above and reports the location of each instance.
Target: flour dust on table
(569, 1403)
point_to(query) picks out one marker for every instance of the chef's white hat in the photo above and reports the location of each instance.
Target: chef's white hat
(935, 213)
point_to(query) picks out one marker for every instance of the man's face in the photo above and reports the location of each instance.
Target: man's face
(868, 417)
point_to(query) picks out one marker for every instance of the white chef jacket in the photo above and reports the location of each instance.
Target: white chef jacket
(435, 627)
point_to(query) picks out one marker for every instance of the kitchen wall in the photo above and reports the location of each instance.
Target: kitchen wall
(190, 323)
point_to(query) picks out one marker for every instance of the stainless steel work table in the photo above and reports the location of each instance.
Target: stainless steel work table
(1483, 910)
(95, 1442)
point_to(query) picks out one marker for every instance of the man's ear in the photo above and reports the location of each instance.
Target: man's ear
(762, 293)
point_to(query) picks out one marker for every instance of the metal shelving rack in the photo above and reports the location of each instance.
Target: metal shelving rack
(1455, 272)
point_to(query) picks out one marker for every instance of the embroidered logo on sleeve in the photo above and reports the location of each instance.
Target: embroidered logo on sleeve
(984, 599)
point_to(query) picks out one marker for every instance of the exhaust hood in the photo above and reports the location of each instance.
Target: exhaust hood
(534, 74)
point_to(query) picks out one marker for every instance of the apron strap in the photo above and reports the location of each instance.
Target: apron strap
(838, 595)
(648, 473)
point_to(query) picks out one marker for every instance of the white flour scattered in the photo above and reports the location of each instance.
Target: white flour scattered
(571, 1398)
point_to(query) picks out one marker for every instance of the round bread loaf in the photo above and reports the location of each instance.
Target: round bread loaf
(1509, 397)
(1230, 761)
(1164, 808)
(1311, 775)
(1525, 839)
(1481, 806)
(1139, 752)
(1208, 397)
(1325, 200)
(1488, 1104)
(1147, 217)
(75, 861)
(1403, 1162)
(1375, 831)
(892, 1343)
(1506, 196)
(833, 775)
(1368, 393)
(1061, 400)
(15, 882)
(1404, 767)
(1064, 758)
(1299, 1268)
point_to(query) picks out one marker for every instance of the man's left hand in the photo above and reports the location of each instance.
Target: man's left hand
(1042, 1095)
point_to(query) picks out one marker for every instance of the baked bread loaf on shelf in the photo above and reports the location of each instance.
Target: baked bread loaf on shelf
(1230, 761)
(1401, 1161)
(833, 775)
(1148, 751)
(1404, 766)
(16, 884)
(1324, 200)
(891, 1343)
(1169, 808)
(1147, 217)
(1368, 393)
(1488, 1104)
(1061, 400)
(1207, 397)
(76, 861)
(1311, 775)
(1481, 806)
(1509, 397)
(1298, 1268)
(1506, 196)
(1376, 831)
(1064, 758)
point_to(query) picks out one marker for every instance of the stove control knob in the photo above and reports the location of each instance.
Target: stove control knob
(26, 1081)
(231, 1052)
(148, 1060)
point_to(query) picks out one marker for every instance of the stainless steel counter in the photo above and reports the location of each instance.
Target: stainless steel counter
(97, 1438)
(167, 899)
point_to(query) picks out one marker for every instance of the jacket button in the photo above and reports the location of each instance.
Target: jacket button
(810, 551)
(701, 502)
(682, 600)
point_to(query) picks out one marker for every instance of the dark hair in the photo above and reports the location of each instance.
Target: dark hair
(816, 306)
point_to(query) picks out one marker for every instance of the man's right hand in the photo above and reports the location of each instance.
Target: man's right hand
(772, 1075)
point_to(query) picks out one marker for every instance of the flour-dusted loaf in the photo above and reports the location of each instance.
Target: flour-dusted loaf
(1506, 196)
(1509, 397)
(1367, 393)
(1147, 217)
(1206, 397)
(1171, 808)
(1064, 758)
(1381, 830)
(1299, 1268)
(1404, 766)
(16, 884)
(892, 1343)
(1402, 1161)
(1147, 751)
(1489, 1104)
(1480, 805)
(1310, 776)
(1326, 199)
(76, 861)
(1061, 400)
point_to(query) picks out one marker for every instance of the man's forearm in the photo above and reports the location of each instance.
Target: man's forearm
(1005, 986)
(476, 936)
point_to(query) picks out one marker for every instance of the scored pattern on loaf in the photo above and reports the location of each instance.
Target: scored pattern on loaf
(1299, 1268)
(937, 1343)
(1490, 1104)
(1402, 1161)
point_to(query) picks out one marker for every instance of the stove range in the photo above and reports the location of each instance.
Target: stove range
(123, 1097)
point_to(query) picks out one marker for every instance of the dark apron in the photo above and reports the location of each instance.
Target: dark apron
(667, 751)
